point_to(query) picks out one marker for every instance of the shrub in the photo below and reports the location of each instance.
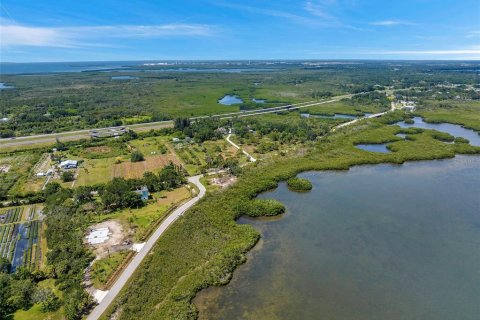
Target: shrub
(461, 140)
(263, 207)
(299, 184)
(137, 156)
(67, 176)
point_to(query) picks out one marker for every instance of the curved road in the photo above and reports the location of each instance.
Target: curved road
(138, 258)
(252, 159)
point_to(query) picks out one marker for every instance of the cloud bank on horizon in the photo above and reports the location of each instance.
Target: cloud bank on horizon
(215, 29)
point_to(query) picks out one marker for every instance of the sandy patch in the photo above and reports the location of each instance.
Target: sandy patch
(223, 181)
(130, 170)
(117, 239)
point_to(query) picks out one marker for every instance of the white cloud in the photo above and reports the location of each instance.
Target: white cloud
(473, 34)
(390, 23)
(14, 35)
(319, 8)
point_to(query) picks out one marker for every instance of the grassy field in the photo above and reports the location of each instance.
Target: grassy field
(102, 269)
(342, 107)
(167, 281)
(19, 165)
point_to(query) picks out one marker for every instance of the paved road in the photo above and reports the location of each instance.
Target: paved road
(376, 115)
(85, 134)
(76, 135)
(138, 258)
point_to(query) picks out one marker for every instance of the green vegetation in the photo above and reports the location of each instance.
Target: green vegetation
(206, 244)
(299, 184)
(67, 176)
(262, 207)
(92, 99)
(137, 156)
(103, 269)
(39, 309)
(220, 244)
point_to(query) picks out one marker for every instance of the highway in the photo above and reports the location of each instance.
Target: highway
(85, 133)
(138, 258)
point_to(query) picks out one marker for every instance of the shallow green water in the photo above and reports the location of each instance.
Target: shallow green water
(377, 242)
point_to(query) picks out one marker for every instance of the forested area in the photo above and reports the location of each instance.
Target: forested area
(93, 99)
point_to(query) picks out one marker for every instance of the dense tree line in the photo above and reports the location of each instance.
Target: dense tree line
(19, 290)
(200, 130)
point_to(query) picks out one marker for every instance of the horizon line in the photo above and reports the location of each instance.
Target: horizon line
(247, 59)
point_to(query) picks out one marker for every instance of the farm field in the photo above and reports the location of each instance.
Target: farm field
(130, 170)
(15, 171)
(20, 233)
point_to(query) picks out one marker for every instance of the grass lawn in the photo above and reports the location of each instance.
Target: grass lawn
(94, 171)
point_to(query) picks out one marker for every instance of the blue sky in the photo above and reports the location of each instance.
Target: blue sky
(74, 30)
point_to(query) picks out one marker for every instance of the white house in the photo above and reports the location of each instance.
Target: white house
(69, 164)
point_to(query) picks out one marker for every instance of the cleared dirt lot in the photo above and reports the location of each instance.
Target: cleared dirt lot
(116, 239)
(131, 170)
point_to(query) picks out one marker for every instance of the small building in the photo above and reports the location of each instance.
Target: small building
(144, 193)
(69, 164)
(41, 174)
(222, 130)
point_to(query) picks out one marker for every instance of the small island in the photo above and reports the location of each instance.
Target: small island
(299, 184)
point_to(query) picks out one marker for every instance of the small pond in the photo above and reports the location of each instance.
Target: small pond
(258, 100)
(374, 147)
(228, 100)
(401, 135)
(453, 129)
(4, 86)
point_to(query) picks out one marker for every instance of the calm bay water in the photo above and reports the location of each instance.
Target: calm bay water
(454, 129)
(376, 242)
(55, 67)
